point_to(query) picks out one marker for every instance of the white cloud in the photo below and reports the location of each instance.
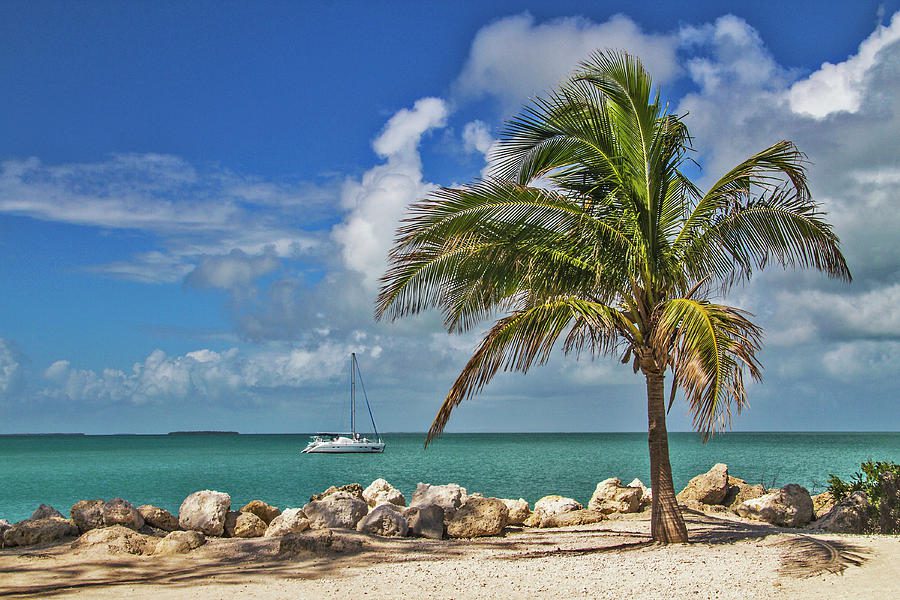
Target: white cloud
(851, 361)
(10, 369)
(841, 87)
(234, 270)
(477, 137)
(377, 202)
(515, 58)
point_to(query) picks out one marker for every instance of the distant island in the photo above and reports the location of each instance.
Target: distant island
(203, 433)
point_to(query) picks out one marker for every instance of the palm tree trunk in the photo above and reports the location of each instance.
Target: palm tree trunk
(666, 525)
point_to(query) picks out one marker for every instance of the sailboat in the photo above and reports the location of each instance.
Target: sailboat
(353, 442)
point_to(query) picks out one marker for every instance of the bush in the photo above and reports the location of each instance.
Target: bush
(880, 481)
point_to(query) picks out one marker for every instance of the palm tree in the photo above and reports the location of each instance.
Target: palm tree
(590, 231)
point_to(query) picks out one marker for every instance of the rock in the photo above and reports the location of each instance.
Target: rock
(646, 493)
(791, 506)
(115, 539)
(4, 525)
(425, 520)
(518, 510)
(261, 510)
(292, 520)
(849, 516)
(87, 514)
(709, 488)
(611, 496)
(299, 544)
(45, 511)
(822, 504)
(341, 510)
(230, 522)
(204, 511)
(739, 491)
(248, 525)
(158, 518)
(381, 492)
(39, 531)
(354, 489)
(384, 520)
(549, 506)
(478, 517)
(153, 531)
(449, 497)
(180, 542)
(121, 512)
(700, 507)
(575, 517)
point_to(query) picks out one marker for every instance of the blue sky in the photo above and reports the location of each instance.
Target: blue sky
(196, 199)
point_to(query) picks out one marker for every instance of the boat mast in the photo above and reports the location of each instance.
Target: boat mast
(353, 394)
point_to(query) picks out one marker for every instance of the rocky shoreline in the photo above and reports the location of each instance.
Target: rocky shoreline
(434, 512)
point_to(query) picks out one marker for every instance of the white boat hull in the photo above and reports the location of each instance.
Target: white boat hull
(344, 448)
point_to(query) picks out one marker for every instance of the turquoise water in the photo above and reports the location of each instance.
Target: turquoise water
(162, 470)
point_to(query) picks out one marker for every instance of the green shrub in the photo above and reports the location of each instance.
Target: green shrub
(880, 481)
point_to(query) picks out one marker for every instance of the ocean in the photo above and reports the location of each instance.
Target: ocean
(163, 469)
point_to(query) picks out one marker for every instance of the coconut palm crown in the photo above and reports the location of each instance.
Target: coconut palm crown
(590, 236)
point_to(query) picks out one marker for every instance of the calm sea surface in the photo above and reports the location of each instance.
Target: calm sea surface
(162, 470)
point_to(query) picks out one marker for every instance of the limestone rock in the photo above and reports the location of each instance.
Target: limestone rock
(709, 488)
(262, 510)
(646, 493)
(87, 514)
(611, 496)
(385, 520)
(204, 511)
(292, 520)
(4, 526)
(739, 491)
(180, 542)
(575, 517)
(478, 517)
(248, 525)
(158, 518)
(425, 520)
(354, 489)
(791, 506)
(39, 531)
(518, 510)
(45, 511)
(848, 516)
(822, 504)
(341, 510)
(381, 492)
(121, 512)
(549, 506)
(115, 539)
(701, 507)
(449, 497)
(295, 545)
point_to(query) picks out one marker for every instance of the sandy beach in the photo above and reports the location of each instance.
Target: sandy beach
(728, 558)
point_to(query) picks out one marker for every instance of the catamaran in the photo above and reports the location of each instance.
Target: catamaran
(339, 443)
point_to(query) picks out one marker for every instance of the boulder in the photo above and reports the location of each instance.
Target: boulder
(708, 488)
(180, 542)
(549, 506)
(739, 491)
(611, 496)
(39, 531)
(791, 506)
(158, 518)
(341, 510)
(87, 514)
(381, 492)
(646, 493)
(121, 512)
(449, 497)
(425, 520)
(849, 516)
(575, 517)
(204, 511)
(45, 511)
(700, 507)
(354, 489)
(115, 539)
(822, 504)
(518, 510)
(261, 510)
(478, 517)
(296, 545)
(248, 525)
(385, 520)
(292, 520)
(4, 525)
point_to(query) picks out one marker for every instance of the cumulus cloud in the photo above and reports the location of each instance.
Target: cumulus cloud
(851, 361)
(377, 202)
(10, 369)
(517, 57)
(234, 270)
(841, 87)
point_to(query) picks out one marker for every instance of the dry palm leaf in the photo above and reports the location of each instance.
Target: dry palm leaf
(807, 557)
